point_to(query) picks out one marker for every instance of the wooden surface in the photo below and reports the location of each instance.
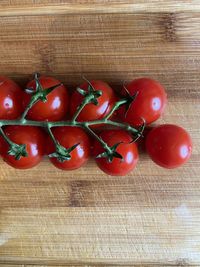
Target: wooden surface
(150, 217)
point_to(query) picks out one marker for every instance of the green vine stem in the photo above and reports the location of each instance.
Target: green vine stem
(61, 153)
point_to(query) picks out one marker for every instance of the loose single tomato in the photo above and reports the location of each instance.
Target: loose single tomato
(149, 103)
(67, 137)
(11, 97)
(32, 137)
(56, 106)
(127, 150)
(169, 145)
(92, 111)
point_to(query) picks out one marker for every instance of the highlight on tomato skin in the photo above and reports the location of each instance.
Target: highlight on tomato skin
(11, 96)
(91, 111)
(56, 106)
(128, 150)
(67, 137)
(149, 103)
(169, 146)
(32, 137)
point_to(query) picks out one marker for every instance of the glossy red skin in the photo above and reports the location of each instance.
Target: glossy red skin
(128, 150)
(57, 101)
(149, 103)
(68, 136)
(32, 137)
(11, 97)
(91, 111)
(169, 145)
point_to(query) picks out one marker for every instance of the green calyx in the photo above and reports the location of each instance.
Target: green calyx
(91, 95)
(40, 93)
(139, 133)
(62, 154)
(129, 99)
(110, 153)
(17, 151)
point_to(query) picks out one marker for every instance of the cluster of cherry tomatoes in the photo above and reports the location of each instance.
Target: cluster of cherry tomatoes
(168, 145)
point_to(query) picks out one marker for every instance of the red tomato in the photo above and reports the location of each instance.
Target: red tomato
(32, 137)
(11, 97)
(67, 137)
(149, 103)
(91, 111)
(127, 150)
(57, 101)
(169, 145)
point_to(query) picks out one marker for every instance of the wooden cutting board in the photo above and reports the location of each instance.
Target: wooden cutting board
(85, 218)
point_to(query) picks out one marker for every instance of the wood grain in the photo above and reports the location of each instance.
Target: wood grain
(111, 47)
(85, 218)
(46, 7)
(115, 235)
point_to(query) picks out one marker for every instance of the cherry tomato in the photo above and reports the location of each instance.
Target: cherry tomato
(149, 103)
(11, 97)
(56, 106)
(32, 137)
(91, 111)
(67, 137)
(127, 150)
(169, 145)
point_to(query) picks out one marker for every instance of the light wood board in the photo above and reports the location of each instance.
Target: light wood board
(86, 218)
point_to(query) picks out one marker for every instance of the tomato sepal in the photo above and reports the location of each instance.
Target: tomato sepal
(17, 151)
(110, 153)
(62, 154)
(140, 132)
(39, 93)
(130, 99)
(91, 96)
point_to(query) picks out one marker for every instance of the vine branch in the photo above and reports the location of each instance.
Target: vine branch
(90, 96)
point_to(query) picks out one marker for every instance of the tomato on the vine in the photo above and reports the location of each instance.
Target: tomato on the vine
(67, 137)
(11, 97)
(169, 145)
(23, 146)
(92, 111)
(126, 149)
(56, 106)
(32, 137)
(148, 104)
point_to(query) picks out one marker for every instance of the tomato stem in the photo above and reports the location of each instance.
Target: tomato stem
(80, 108)
(51, 134)
(32, 102)
(6, 138)
(115, 107)
(104, 144)
(61, 153)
